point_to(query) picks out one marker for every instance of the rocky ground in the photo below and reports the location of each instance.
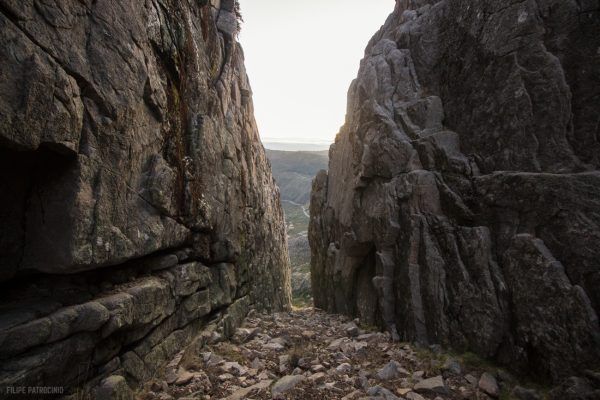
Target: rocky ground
(308, 354)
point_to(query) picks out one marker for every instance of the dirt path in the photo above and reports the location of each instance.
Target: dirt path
(304, 210)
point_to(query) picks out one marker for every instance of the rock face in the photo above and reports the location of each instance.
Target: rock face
(462, 201)
(136, 201)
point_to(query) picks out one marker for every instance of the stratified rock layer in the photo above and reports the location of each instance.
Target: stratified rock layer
(462, 202)
(136, 201)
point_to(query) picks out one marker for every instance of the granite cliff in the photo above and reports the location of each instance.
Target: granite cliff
(462, 201)
(137, 205)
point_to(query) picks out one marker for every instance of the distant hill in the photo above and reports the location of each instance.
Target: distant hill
(293, 146)
(294, 172)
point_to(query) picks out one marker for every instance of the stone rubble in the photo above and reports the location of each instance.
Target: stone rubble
(308, 354)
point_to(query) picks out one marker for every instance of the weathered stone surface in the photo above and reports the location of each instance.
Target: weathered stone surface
(136, 200)
(431, 385)
(378, 392)
(392, 370)
(243, 393)
(59, 325)
(562, 321)
(461, 202)
(286, 383)
(576, 388)
(114, 388)
(489, 385)
(414, 396)
(149, 137)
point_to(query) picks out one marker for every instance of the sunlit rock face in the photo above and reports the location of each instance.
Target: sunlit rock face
(462, 203)
(136, 201)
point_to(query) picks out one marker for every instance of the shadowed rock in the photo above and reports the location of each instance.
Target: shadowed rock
(461, 202)
(136, 200)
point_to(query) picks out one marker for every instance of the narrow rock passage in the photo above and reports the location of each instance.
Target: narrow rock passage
(308, 354)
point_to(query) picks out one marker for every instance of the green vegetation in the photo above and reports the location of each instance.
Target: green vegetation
(306, 163)
(299, 301)
(472, 360)
(304, 268)
(295, 219)
(294, 172)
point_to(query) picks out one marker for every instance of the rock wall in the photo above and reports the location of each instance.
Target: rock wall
(462, 201)
(136, 203)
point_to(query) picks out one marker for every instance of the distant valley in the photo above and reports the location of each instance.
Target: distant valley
(294, 172)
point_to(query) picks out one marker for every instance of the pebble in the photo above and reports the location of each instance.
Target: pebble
(242, 394)
(319, 377)
(343, 368)
(225, 377)
(418, 375)
(317, 368)
(471, 379)
(184, 377)
(274, 346)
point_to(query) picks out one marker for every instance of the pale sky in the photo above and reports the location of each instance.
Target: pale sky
(301, 56)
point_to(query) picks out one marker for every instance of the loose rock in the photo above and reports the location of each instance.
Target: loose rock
(432, 385)
(489, 385)
(286, 383)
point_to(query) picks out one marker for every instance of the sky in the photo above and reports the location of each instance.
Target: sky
(301, 57)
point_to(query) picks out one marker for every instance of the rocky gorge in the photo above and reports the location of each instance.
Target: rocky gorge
(462, 202)
(137, 206)
(454, 239)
